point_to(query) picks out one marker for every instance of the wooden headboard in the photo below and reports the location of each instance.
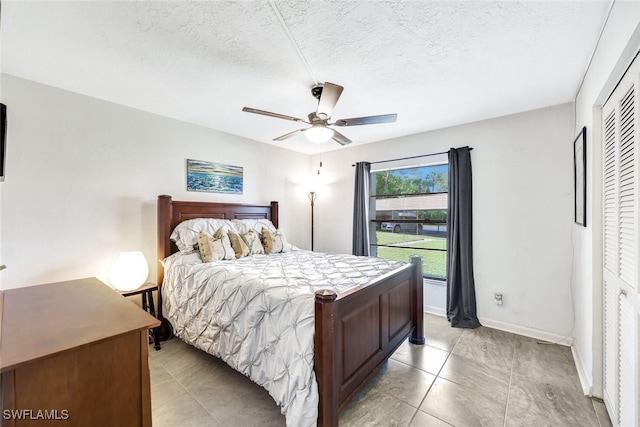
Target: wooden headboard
(172, 212)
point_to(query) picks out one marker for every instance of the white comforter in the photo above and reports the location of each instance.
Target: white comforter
(257, 314)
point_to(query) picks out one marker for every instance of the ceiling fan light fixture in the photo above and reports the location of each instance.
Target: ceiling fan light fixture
(318, 134)
(320, 131)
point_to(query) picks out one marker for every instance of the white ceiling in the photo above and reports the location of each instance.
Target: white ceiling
(435, 63)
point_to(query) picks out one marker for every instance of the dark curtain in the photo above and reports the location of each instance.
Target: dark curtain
(461, 294)
(361, 209)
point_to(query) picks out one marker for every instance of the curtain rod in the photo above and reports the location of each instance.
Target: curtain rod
(411, 157)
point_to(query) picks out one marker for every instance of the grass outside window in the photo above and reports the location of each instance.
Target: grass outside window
(432, 249)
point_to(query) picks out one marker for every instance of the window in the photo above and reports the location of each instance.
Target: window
(410, 216)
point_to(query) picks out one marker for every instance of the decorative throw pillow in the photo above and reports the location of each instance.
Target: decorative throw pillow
(239, 245)
(252, 240)
(274, 242)
(216, 247)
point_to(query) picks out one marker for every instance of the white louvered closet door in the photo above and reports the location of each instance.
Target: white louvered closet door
(621, 297)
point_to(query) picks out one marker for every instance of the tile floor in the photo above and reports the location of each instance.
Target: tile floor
(481, 377)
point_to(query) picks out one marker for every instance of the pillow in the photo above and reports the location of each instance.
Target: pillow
(186, 233)
(216, 247)
(244, 225)
(238, 244)
(274, 242)
(252, 240)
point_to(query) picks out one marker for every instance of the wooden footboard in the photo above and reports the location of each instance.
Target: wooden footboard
(357, 331)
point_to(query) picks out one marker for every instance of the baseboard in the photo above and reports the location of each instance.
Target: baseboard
(528, 332)
(432, 309)
(585, 379)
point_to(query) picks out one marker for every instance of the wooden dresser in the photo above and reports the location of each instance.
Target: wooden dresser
(74, 354)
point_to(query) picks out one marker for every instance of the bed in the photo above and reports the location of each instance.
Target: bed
(353, 331)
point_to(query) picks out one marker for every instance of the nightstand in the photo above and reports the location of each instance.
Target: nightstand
(147, 305)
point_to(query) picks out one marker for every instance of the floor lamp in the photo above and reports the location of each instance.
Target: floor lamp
(312, 198)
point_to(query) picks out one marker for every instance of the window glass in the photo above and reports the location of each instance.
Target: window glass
(409, 216)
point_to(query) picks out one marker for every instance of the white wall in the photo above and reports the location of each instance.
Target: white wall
(83, 176)
(523, 211)
(620, 41)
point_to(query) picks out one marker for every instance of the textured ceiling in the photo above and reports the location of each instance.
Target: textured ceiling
(435, 63)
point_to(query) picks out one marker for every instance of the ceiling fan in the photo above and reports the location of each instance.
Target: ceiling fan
(321, 130)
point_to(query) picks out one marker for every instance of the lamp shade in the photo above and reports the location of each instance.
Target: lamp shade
(129, 271)
(318, 133)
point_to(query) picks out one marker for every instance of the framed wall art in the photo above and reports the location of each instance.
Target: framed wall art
(214, 177)
(580, 178)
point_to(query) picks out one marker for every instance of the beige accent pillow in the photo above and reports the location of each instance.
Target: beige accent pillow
(216, 247)
(252, 240)
(238, 244)
(274, 242)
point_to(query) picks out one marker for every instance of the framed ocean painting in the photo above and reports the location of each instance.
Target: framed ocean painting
(214, 177)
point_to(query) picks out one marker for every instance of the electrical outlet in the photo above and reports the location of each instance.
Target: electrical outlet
(498, 298)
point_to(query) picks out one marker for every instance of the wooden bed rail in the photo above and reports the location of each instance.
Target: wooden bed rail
(357, 331)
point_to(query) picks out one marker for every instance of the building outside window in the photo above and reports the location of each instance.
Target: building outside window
(408, 211)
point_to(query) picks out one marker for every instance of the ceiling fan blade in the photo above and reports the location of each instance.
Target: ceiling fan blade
(288, 135)
(328, 100)
(369, 120)
(340, 138)
(270, 114)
